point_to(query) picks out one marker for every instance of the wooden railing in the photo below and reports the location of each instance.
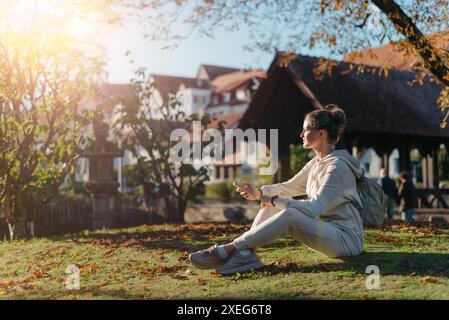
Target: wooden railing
(432, 198)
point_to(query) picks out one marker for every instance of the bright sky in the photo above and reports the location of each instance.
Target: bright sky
(225, 50)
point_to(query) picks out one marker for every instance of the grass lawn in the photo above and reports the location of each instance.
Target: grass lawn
(150, 262)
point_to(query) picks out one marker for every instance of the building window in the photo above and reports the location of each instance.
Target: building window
(217, 173)
(196, 99)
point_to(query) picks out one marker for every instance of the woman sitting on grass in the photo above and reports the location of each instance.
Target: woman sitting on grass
(327, 222)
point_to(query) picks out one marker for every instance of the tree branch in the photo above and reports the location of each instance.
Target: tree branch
(404, 25)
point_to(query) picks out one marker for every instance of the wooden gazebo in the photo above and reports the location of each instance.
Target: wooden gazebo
(384, 112)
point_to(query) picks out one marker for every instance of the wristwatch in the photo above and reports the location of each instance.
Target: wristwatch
(261, 193)
(272, 200)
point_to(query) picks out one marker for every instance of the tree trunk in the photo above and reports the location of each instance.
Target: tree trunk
(17, 229)
(171, 213)
(182, 205)
(11, 227)
(404, 25)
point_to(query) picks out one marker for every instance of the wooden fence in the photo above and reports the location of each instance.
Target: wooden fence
(63, 215)
(72, 214)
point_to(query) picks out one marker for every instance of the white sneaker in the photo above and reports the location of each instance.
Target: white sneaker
(207, 259)
(240, 263)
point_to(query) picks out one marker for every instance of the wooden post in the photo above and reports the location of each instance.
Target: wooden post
(430, 171)
(425, 179)
(436, 178)
(285, 167)
(283, 173)
(385, 162)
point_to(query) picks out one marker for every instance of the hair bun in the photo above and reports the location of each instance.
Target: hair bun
(337, 114)
(331, 118)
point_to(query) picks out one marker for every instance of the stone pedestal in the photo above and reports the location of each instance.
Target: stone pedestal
(102, 184)
(103, 211)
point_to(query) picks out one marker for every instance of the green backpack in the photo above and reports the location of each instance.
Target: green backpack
(374, 202)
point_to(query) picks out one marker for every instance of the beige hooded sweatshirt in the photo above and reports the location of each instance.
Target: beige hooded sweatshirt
(330, 186)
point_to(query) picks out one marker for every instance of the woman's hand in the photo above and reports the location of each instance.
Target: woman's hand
(265, 202)
(248, 191)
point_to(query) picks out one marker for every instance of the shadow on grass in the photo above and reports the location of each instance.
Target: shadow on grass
(185, 237)
(389, 263)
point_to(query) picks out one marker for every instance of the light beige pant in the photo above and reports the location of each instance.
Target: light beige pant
(318, 235)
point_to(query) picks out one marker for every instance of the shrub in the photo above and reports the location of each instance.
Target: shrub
(223, 191)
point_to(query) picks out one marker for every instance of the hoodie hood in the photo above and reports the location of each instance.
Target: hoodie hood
(350, 160)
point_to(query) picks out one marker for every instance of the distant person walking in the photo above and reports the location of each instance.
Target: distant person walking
(407, 196)
(390, 189)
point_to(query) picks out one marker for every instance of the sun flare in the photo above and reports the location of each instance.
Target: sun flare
(70, 17)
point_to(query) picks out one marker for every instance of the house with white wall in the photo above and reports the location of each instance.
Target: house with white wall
(221, 92)
(214, 90)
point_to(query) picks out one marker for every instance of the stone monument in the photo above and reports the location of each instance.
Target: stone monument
(102, 184)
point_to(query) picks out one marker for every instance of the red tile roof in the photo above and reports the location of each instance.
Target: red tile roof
(216, 71)
(171, 84)
(389, 56)
(233, 80)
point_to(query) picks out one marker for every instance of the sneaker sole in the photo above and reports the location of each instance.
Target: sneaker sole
(204, 267)
(246, 267)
